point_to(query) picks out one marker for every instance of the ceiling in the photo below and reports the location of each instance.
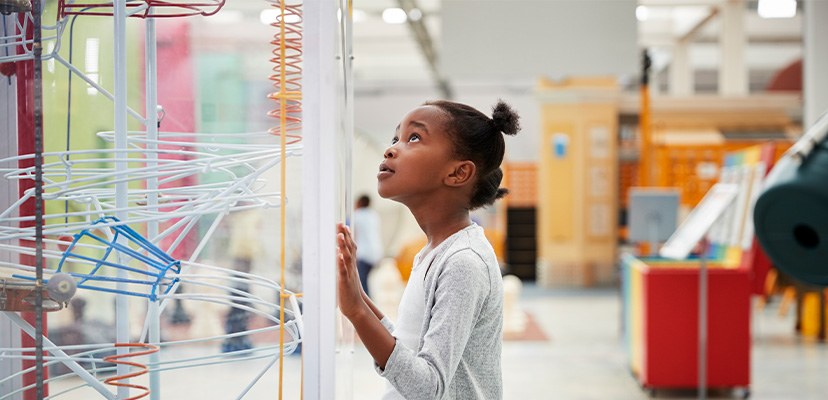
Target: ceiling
(389, 55)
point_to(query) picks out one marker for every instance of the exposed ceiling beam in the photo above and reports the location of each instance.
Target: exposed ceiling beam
(424, 41)
(678, 3)
(692, 32)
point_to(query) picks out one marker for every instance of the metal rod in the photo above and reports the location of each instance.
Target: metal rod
(153, 125)
(121, 188)
(702, 356)
(40, 389)
(645, 158)
(95, 85)
(65, 358)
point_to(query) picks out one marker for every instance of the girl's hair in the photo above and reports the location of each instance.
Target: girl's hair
(478, 138)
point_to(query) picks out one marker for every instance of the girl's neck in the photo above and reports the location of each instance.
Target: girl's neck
(439, 224)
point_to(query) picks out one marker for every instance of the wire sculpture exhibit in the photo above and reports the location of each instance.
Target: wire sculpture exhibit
(116, 215)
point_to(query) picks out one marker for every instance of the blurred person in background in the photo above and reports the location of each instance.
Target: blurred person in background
(366, 229)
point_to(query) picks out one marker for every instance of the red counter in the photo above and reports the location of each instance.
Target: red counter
(661, 324)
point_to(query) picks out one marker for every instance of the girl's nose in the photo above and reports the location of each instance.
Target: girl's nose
(389, 152)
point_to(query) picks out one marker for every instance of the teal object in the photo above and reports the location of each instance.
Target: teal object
(791, 220)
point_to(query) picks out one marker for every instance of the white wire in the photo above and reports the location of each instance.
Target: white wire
(83, 182)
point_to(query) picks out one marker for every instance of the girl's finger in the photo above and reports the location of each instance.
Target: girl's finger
(345, 251)
(346, 231)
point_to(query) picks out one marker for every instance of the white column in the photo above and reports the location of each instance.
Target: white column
(151, 90)
(681, 72)
(121, 168)
(814, 80)
(9, 333)
(320, 149)
(732, 40)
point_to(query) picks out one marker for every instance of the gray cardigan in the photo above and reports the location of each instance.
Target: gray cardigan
(460, 344)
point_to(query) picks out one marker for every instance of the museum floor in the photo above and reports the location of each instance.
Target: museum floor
(581, 357)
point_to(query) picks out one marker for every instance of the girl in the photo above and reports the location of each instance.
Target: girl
(443, 162)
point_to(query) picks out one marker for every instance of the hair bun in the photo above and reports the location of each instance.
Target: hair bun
(505, 118)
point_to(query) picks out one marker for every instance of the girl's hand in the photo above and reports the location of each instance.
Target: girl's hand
(349, 290)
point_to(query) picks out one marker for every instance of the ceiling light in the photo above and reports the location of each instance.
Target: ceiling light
(394, 16)
(777, 8)
(415, 14)
(641, 13)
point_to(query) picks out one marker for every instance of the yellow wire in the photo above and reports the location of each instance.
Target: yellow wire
(283, 174)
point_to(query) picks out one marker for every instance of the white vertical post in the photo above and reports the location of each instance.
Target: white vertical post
(345, 344)
(154, 318)
(681, 72)
(732, 40)
(319, 208)
(121, 188)
(9, 334)
(815, 82)
(702, 355)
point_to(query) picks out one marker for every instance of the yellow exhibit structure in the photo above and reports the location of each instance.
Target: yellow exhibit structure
(577, 175)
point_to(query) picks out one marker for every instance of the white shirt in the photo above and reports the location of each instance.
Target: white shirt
(411, 311)
(367, 235)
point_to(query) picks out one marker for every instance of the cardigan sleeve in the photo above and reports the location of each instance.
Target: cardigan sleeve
(459, 294)
(386, 322)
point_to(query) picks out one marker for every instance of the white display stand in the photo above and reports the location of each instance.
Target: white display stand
(699, 222)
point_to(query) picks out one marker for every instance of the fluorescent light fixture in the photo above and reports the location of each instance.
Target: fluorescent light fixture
(777, 8)
(394, 15)
(271, 16)
(642, 13)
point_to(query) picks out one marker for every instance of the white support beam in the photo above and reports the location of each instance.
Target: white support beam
(733, 74)
(319, 168)
(814, 80)
(9, 334)
(682, 81)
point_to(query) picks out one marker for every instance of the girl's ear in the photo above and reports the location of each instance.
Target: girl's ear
(462, 174)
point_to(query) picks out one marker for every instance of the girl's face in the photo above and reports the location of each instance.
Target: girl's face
(419, 158)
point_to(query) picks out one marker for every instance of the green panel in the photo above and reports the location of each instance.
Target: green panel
(222, 93)
(223, 99)
(90, 41)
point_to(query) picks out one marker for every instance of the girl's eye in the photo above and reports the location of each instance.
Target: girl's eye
(395, 140)
(414, 138)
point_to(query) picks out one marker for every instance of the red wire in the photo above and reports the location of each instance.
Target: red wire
(191, 8)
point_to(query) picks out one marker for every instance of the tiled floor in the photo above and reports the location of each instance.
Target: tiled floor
(583, 359)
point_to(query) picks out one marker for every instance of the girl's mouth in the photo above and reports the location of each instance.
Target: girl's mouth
(384, 171)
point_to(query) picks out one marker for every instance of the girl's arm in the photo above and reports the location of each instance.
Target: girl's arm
(464, 282)
(355, 305)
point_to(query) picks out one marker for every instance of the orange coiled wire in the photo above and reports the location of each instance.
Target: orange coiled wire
(287, 80)
(142, 369)
(287, 77)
